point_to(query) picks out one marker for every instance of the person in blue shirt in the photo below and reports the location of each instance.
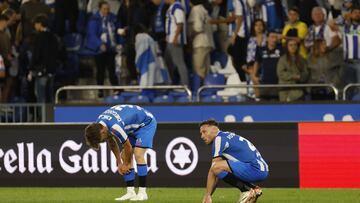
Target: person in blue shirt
(135, 128)
(235, 160)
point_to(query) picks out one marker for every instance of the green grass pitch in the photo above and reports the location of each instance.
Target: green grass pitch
(175, 195)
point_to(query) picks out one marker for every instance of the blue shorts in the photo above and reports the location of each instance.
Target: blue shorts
(143, 137)
(247, 171)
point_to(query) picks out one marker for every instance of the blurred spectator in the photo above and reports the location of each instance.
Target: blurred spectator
(295, 29)
(44, 61)
(325, 68)
(130, 14)
(66, 16)
(158, 23)
(12, 23)
(274, 15)
(14, 4)
(28, 12)
(150, 67)
(264, 71)
(352, 47)
(92, 6)
(5, 52)
(201, 36)
(101, 40)
(292, 69)
(257, 39)
(220, 27)
(176, 39)
(240, 33)
(320, 30)
(305, 10)
(10, 83)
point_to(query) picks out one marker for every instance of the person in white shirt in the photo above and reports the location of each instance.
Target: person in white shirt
(320, 30)
(175, 29)
(202, 38)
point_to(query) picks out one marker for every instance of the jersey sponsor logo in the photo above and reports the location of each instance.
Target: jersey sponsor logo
(181, 156)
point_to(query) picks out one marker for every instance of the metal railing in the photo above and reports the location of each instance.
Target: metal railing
(99, 87)
(20, 113)
(335, 90)
(347, 87)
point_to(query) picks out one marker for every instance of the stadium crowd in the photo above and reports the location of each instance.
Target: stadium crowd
(44, 44)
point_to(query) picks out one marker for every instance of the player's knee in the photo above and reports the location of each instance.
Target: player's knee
(216, 167)
(139, 157)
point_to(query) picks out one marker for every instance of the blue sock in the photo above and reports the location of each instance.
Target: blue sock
(129, 178)
(222, 174)
(142, 169)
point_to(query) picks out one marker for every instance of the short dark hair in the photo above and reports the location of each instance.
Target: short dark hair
(42, 19)
(3, 18)
(101, 3)
(295, 9)
(211, 122)
(272, 31)
(92, 135)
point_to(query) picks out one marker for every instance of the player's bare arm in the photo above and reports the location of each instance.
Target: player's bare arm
(127, 153)
(211, 182)
(122, 167)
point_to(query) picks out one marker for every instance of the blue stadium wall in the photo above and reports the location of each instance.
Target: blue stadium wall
(225, 112)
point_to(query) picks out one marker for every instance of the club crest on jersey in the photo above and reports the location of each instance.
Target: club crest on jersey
(138, 141)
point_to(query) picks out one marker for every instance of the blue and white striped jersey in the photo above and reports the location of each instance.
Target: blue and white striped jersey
(123, 120)
(234, 147)
(352, 42)
(240, 8)
(271, 18)
(175, 15)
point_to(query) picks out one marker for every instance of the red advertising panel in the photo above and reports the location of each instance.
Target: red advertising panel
(329, 155)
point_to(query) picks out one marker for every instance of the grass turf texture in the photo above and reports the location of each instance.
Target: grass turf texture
(174, 195)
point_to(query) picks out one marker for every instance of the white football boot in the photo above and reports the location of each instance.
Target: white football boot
(246, 197)
(258, 193)
(129, 194)
(141, 196)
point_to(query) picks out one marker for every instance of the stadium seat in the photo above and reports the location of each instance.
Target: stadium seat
(212, 98)
(221, 57)
(114, 99)
(139, 99)
(237, 98)
(177, 94)
(180, 96)
(356, 97)
(182, 99)
(213, 79)
(164, 99)
(128, 95)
